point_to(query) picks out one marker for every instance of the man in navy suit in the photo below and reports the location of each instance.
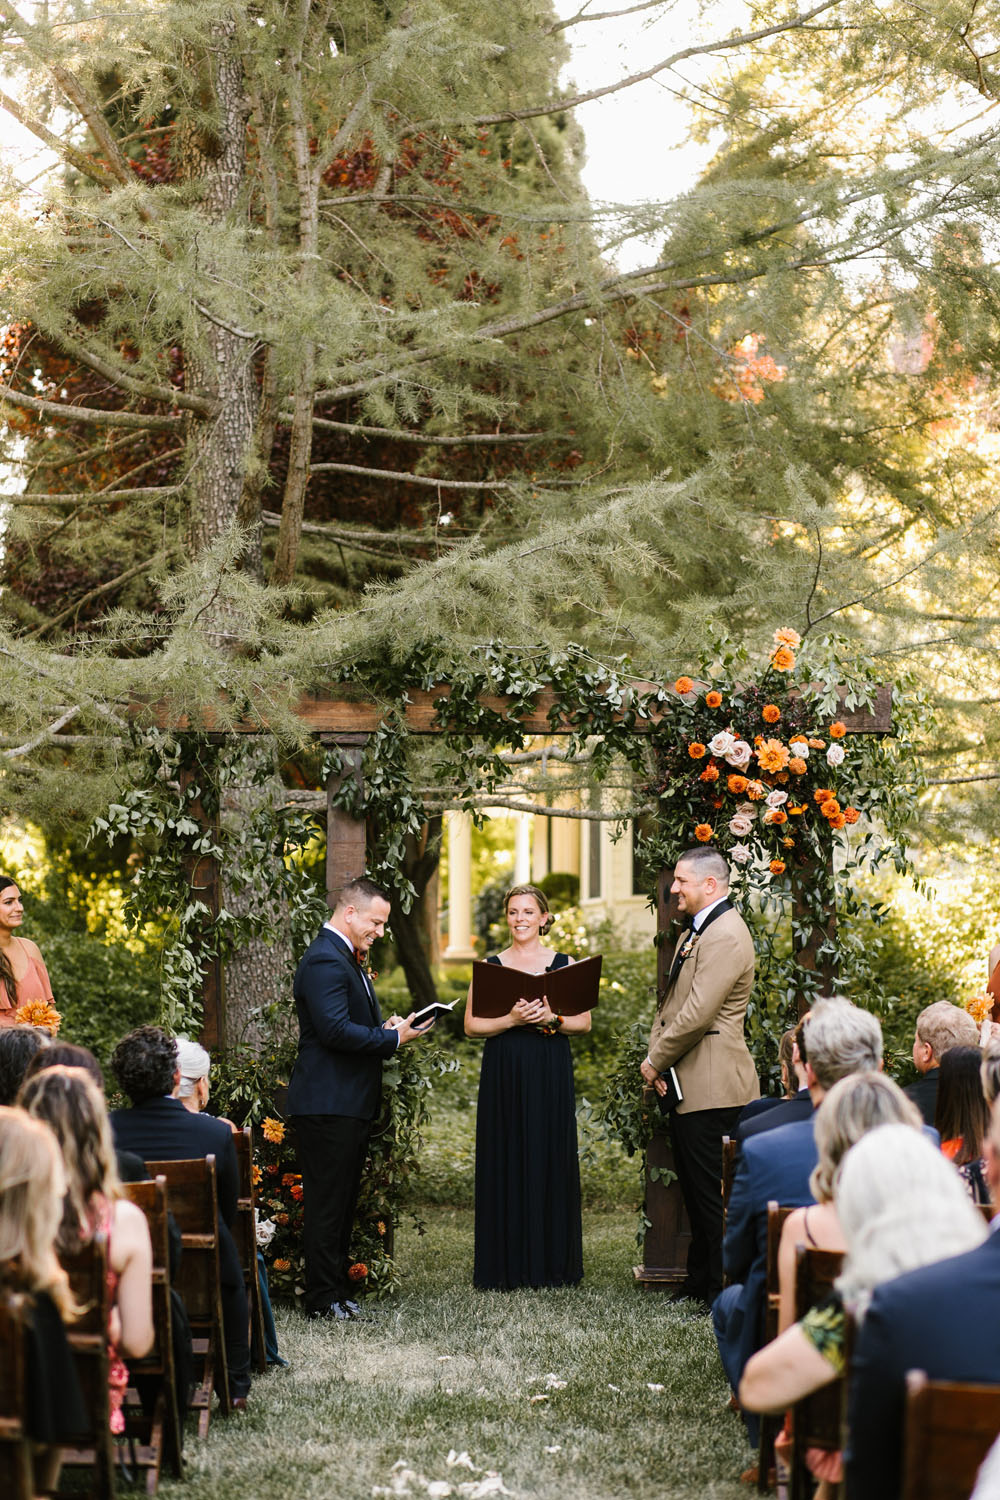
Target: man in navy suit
(837, 1038)
(941, 1319)
(336, 1086)
(783, 1111)
(159, 1128)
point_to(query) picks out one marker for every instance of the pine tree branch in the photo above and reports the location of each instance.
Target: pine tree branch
(467, 440)
(407, 478)
(97, 593)
(601, 15)
(37, 670)
(375, 542)
(123, 381)
(100, 450)
(69, 153)
(99, 497)
(47, 736)
(137, 421)
(701, 49)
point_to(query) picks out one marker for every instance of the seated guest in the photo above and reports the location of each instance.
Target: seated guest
(69, 1102)
(32, 1183)
(962, 1117)
(899, 1207)
(193, 1090)
(157, 1127)
(131, 1168)
(942, 1319)
(837, 1039)
(939, 1026)
(18, 1045)
(795, 1106)
(767, 1101)
(989, 1071)
(853, 1106)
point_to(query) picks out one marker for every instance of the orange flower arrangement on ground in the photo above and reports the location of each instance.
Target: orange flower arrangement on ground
(837, 730)
(770, 713)
(703, 832)
(697, 750)
(710, 773)
(772, 755)
(783, 660)
(777, 867)
(737, 785)
(273, 1130)
(683, 685)
(41, 1013)
(713, 699)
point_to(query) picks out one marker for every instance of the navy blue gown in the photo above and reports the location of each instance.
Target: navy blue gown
(528, 1230)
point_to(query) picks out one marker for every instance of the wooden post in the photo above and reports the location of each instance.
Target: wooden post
(345, 835)
(669, 1234)
(205, 882)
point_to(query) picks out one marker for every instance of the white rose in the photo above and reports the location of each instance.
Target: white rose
(776, 798)
(265, 1231)
(739, 853)
(799, 748)
(722, 743)
(740, 825)
(738, 755)
(835, 755)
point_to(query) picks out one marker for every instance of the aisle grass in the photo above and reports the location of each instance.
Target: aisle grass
(447, 1370)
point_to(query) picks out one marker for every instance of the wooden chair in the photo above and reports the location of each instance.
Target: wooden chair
(770, 1426)
(16, 1478)
(88, 1338)
(987, 1210)
(152, 1415)
(948, 1430)
(193, 1198)
(817, 1421)
(245, 1235)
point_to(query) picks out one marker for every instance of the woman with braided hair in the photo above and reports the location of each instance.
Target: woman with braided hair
(23, 975)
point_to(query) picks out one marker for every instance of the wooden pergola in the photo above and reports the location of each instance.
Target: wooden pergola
(348, 723)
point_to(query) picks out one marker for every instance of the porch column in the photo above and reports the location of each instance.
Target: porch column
(460, 947)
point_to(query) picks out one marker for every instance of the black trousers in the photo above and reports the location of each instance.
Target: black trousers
(697, 1141)
(332, 1151)
(235, 1313)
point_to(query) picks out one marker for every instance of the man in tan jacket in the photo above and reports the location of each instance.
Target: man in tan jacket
(698, 1032)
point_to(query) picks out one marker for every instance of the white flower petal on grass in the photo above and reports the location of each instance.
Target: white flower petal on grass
(616, 1388)
(553, 1383)
(652, 1386)
(443, 1357)
(438, 1488)
(490, 1484)
(459, 1460)
(538, 1398)
(554, 1448)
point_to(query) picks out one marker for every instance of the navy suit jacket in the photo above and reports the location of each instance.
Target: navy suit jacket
(943, 1319)
(338, 1070)
(924, 1094)
(163, 1130)
(783, 1113)
(775, 1165)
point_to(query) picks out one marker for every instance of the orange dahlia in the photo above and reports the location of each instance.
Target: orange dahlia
(770, 713)
(777, 867)
(710, 773)
(273, 1131)
(830, 808)
(773, 755)
(697, 750)
(838, 820)
(837, 731)
(737, 785)
(822, 794)
(703, 832)
(785, 636)
(783, 660)
(683, 685)
(713, 699)
(851, 815)
(798, 765)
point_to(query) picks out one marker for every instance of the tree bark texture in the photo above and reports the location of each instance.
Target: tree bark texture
(410, 928)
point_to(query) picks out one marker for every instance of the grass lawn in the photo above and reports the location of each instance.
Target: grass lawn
(591, 1393)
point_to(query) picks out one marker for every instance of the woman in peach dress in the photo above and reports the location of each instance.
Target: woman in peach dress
(23, 976)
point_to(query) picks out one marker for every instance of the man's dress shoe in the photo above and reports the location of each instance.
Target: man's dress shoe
(337, 1312)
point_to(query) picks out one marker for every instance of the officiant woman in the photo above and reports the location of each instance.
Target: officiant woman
(528, 1230)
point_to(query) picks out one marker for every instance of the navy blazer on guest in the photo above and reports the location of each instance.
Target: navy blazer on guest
(775, 1165)
(924, 1093)
(338, 1070)
(944, 1319)
(785, 1111)
(163, 1130)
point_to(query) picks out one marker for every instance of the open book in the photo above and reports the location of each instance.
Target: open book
(570, 991)
(433, 1012)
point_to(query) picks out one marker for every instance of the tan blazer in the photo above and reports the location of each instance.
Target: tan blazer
(699, 1026)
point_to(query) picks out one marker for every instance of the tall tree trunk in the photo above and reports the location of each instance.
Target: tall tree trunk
(409, 928)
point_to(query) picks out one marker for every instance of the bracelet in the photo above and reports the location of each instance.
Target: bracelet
(551, 1027)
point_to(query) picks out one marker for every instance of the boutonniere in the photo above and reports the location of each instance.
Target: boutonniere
(364, 963)
(688, 946)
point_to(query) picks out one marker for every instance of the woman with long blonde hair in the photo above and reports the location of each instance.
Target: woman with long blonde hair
(32, 1183)
(70, 1103)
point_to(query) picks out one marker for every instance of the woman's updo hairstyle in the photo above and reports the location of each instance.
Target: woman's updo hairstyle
(538, 896)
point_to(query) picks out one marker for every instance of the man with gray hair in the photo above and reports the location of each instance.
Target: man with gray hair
(939, 1027)
(837, 1038)
(698, 1035)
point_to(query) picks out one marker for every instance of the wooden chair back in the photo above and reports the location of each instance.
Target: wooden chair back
(193, 1199)
(87, 1270)
(152, 1414)
(770, 1426)
(245, 1235)
(817, 1421)
(949, 1428)
(988, 1211)
(16, 1479)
